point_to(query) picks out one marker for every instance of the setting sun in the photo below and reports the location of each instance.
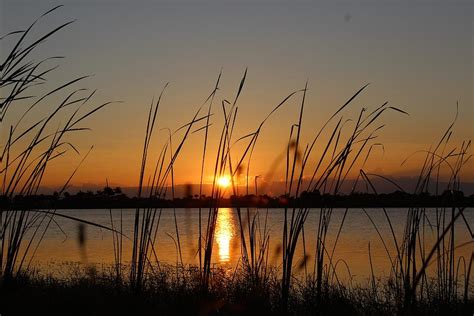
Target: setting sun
(223, 181)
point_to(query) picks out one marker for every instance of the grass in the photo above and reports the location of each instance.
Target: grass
(30, 147)
(409, 282)
(142, 283)
(95, 292)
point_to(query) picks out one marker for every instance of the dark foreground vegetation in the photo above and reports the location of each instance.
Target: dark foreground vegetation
(176, 291)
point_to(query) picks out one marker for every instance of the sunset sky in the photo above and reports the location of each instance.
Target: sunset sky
(417, 56)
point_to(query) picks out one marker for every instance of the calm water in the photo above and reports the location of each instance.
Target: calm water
(61, 242)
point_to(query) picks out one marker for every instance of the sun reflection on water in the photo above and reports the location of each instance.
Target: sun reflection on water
(224, 233)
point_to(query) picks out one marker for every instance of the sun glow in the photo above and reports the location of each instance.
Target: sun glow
(224, 233)
(223, 181)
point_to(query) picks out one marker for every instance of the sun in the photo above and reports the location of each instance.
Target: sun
(223, 181)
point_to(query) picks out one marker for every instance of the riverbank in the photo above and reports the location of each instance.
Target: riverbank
(173, 291)
(306, 200)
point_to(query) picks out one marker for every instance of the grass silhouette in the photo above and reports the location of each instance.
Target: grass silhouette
(143, 284)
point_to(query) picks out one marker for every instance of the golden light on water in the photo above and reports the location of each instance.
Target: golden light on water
(223, 181)
(224, 233)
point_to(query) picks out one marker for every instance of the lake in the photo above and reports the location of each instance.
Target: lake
(61, 243)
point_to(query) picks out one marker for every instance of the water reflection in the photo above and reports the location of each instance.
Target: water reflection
(224, 233)
(352, 246)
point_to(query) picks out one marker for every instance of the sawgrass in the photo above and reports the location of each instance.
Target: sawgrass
(255, 286)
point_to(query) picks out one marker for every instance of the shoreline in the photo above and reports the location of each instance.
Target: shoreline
(228, 203)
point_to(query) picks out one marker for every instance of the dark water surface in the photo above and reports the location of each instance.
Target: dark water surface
(62, 241)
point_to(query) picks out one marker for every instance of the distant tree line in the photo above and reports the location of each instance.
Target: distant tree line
(114, 198)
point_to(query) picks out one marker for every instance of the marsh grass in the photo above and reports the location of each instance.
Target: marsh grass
(143, 283)
(96, 291)
(29, 148)
(349, 147)
(409, 277)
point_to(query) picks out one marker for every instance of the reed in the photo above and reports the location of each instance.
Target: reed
(413, 255)
(30, 147)
(348, 148)
(337, 159)
(319, 166)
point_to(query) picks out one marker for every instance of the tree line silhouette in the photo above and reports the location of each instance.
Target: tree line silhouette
(110, 197)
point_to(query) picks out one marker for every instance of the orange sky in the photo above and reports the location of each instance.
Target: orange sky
(417, 59)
